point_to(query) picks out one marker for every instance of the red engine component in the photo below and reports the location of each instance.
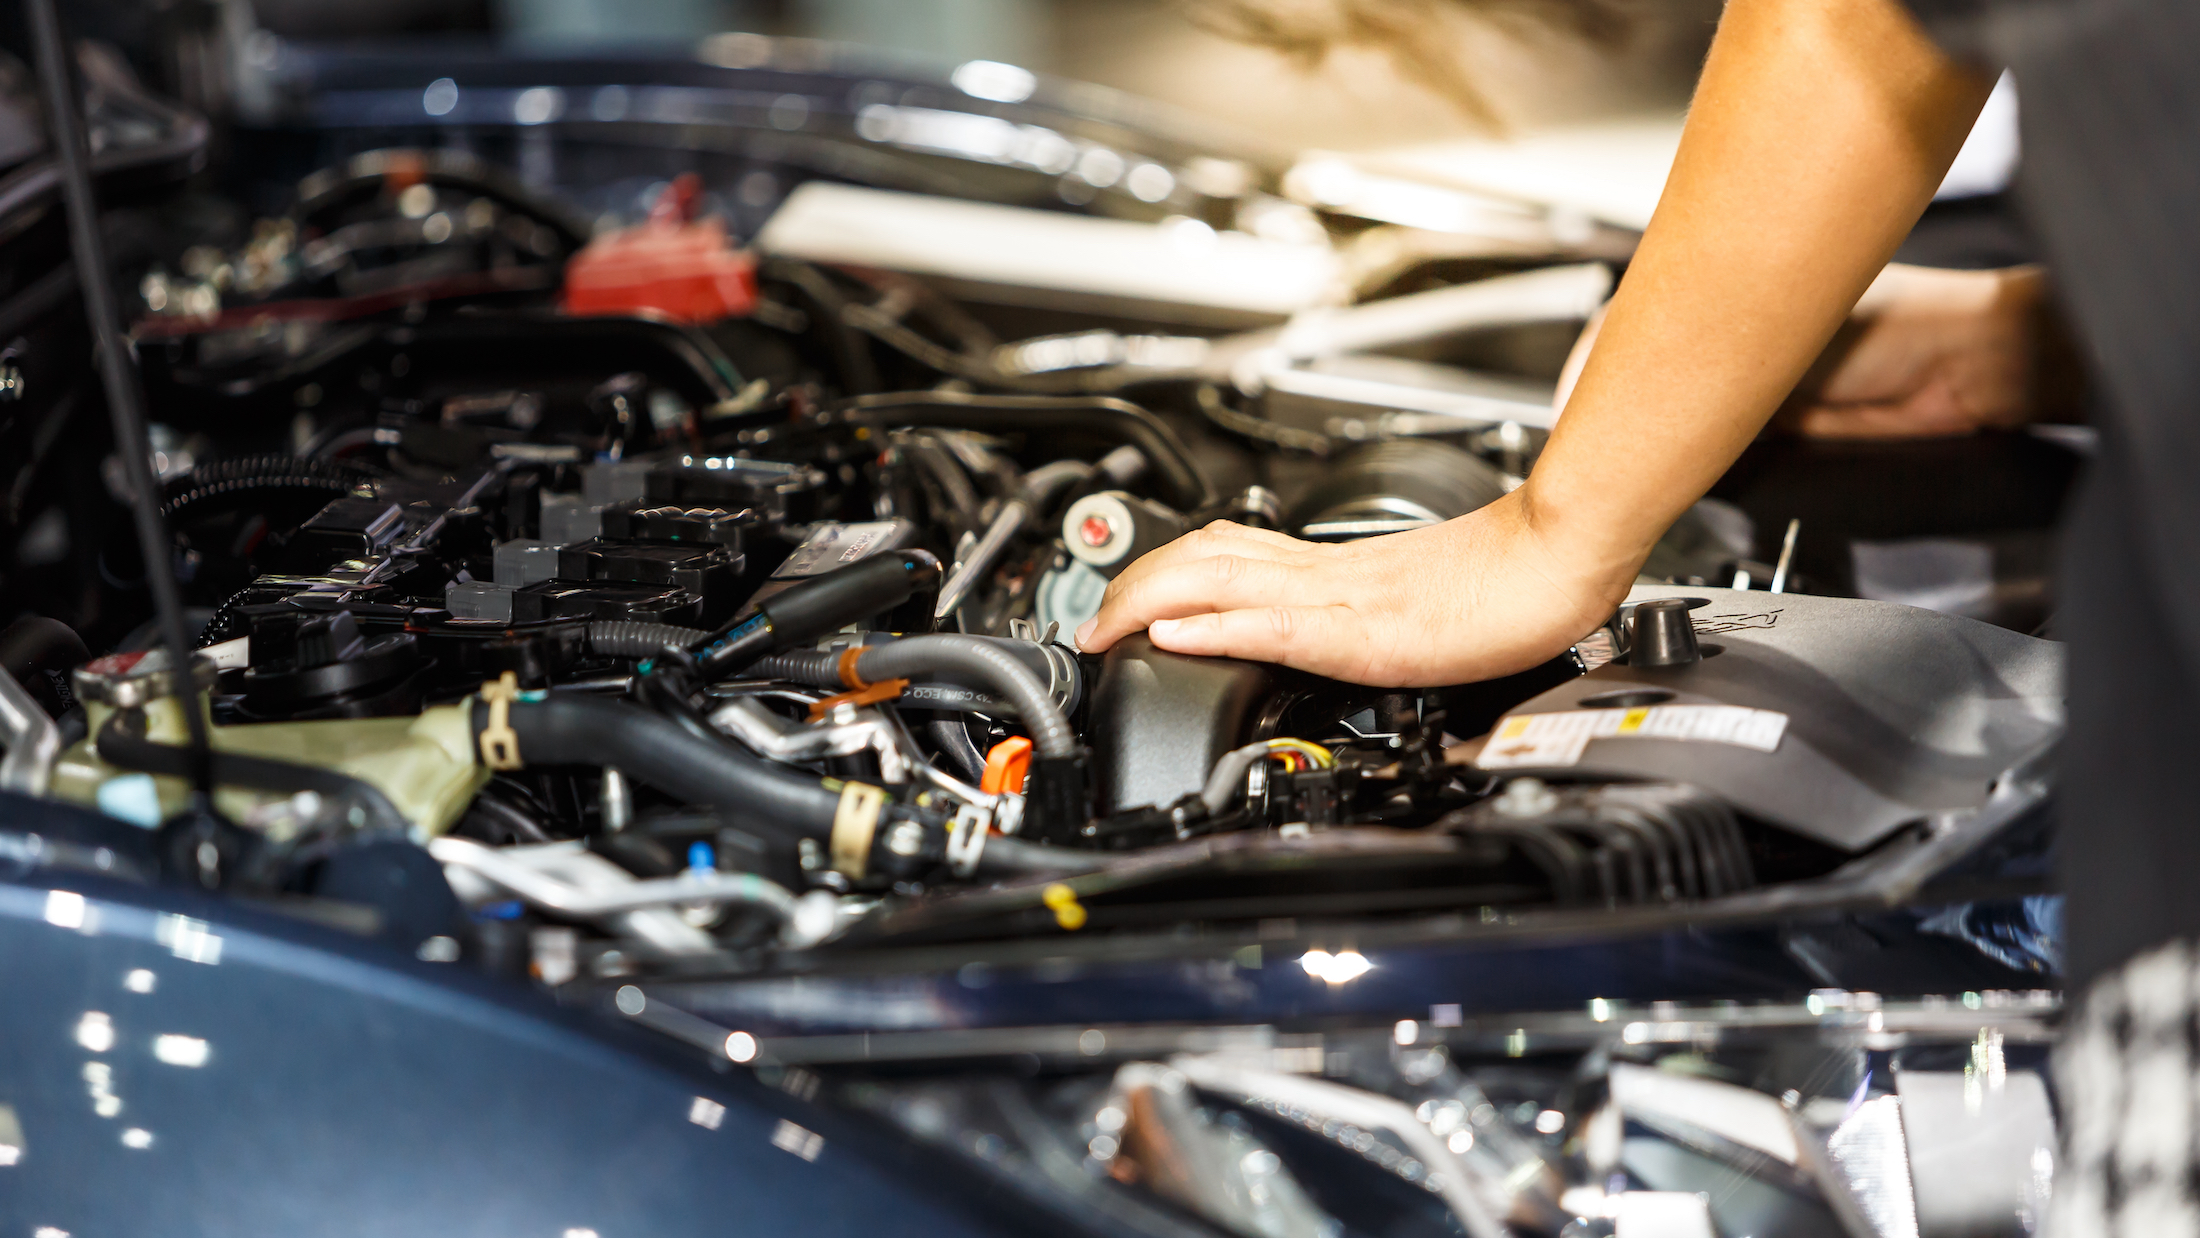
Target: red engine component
(674, 264)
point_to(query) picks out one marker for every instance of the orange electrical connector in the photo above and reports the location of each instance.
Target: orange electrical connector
(674, 264)
(1006, 766)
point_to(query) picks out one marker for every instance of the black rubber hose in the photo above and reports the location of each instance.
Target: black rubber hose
(241, 479)
(489, 806)
(40, 652)
(176, 146)
(1119, 420)
(828, 311)
(368, 174)
(122, 743)
(814, 667)
(586, 730)
(814, 606)
(953, 740)
(1004, 857)
(627, 638)
(914, 657)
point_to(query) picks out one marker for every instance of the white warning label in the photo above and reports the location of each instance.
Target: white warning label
(1525, 741)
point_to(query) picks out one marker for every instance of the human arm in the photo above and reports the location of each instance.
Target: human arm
(1819, 132)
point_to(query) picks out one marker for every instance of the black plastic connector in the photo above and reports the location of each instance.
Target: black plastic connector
(1322, 792)
(1058, 797)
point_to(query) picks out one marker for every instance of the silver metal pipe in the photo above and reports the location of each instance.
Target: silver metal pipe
(774, 737)
(899, 758)
(511, 869)
(618, 800)
(1014, 514)
(33, 740)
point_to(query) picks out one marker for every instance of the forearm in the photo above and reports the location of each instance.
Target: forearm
(1820, 130)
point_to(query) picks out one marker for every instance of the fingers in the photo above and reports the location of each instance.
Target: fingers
(1265, 537)
(1324, 640)
(1881, 421)
(1221, 567)
(1219, 538)
(1196, 586)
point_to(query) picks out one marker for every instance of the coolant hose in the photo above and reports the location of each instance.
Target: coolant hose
(1013, 857)
(563, 729)
(627, 638)
(916, 656)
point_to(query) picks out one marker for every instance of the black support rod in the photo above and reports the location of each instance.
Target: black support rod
(117, 365)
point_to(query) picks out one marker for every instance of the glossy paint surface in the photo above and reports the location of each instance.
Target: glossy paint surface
(173, 1066)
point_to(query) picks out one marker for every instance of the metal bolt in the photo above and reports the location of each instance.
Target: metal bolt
(1526, 797)
(906, 839)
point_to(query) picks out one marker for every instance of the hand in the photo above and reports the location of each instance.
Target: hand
(1929, 354)
(1925, 354)
(1487, 594)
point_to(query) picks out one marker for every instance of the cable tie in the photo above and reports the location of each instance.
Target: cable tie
(847, 665)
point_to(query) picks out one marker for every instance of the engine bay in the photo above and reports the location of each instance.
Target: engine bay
(622, 576)
(700, 664)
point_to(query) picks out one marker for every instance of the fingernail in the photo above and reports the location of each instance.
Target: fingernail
(1084, 632)
(1162, 627)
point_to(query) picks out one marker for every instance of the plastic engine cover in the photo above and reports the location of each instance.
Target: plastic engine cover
(1891, 713)
(1161, 720)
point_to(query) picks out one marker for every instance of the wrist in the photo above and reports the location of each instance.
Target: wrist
(1587, 536)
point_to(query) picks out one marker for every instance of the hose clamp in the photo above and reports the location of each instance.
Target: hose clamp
(499, 743)
(855, 822)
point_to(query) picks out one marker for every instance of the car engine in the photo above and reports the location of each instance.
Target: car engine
(697, 663)
(655, 586)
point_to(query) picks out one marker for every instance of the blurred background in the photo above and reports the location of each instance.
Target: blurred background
(1172, 51)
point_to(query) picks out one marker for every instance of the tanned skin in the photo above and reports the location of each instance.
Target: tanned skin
(1819, 132)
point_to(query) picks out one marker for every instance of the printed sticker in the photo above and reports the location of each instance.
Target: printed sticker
(1558, 739)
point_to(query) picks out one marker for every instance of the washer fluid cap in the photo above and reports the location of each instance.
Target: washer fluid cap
(128, 680)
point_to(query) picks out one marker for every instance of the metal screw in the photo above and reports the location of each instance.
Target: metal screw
(906, 839)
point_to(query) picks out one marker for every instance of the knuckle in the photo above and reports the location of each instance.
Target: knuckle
(1226, 569)
(1283, 623)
